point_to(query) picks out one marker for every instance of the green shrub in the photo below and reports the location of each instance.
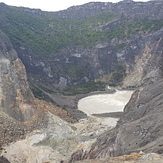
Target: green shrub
(84, 88)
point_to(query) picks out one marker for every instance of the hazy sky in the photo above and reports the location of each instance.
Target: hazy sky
(51, 5)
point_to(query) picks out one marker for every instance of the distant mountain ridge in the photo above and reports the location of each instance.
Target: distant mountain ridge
(129, 8)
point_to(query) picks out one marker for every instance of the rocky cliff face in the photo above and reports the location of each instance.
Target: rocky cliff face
(15, 91)
(140, 128)
(140, 56)
(146, 64)
(20, 112)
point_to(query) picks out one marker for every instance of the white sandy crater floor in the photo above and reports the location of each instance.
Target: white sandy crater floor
(98, 104)
(104, 103)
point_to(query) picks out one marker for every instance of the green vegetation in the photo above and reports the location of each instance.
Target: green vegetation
(128, 27)
(84, 88)
(76, 69)
(117, 76)
(48, 33)
(37, 93)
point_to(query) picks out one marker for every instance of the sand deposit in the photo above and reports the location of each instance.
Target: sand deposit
(104, 103)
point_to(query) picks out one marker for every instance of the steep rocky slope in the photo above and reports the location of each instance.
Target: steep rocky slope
(140, 128)
(20, 112)
(140, 57)
(15, 91)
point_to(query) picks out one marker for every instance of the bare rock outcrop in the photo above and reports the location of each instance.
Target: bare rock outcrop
(15, 94)
(20, 111)
(3, 160)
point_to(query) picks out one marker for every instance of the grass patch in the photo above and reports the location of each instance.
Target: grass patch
(84, 88)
